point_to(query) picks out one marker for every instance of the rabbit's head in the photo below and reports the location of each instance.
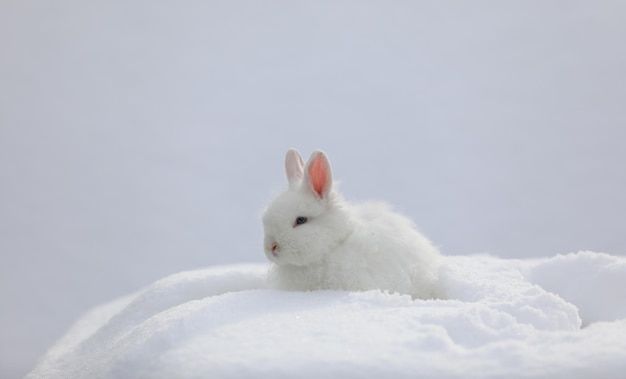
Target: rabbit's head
(307, 221)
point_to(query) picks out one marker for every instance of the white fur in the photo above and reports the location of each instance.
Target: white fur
(343, 246)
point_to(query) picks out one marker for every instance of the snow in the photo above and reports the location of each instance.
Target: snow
(498, 320)
(140, 138)
(594, 282)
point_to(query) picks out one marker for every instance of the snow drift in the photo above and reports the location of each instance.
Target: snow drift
(555, 317)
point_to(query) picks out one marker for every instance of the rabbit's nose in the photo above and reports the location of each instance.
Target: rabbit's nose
(275, 248)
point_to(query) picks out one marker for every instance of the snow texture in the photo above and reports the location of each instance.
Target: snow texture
(502, 318)
(141, 138)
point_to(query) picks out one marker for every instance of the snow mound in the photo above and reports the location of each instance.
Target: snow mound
(502, 318)
(595, 283)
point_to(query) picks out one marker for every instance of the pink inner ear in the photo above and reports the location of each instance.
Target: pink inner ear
(318, 172)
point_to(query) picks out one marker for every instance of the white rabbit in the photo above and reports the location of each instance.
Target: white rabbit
(318, 241)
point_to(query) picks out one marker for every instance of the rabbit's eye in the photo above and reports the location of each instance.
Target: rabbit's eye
(301, 220)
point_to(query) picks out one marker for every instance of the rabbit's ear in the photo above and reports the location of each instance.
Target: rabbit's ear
(294, 167)
(319, 177)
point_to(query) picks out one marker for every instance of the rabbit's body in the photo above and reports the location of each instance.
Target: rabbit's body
(319, 242)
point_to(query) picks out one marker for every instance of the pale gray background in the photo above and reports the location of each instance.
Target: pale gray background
(141, 138)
